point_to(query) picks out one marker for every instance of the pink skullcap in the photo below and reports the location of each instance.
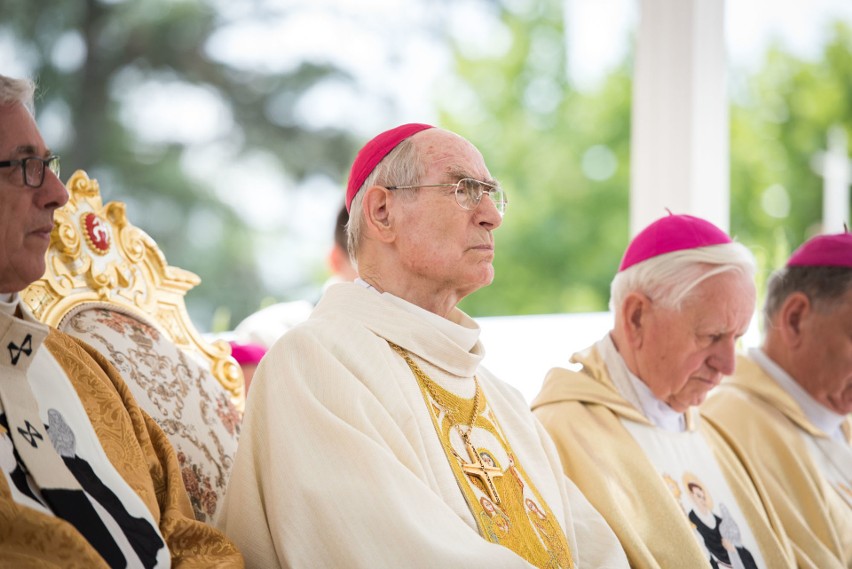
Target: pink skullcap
(824, 251)
(373, 152)
(669, 234)
(247, 353)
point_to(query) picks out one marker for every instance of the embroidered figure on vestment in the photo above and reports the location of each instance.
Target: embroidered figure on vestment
(506, 506)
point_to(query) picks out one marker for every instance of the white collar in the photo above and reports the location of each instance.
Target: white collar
(821, 416)
(637, 392)
(464, 333)
(8, 302)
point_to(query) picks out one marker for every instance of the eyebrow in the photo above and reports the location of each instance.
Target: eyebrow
(30, 150)
(458, 174)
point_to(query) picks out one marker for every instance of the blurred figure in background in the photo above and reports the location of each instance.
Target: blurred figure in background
(342, 269)
(268, 324)
(248, 356)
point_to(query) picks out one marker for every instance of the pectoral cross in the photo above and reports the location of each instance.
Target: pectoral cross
(478, 469)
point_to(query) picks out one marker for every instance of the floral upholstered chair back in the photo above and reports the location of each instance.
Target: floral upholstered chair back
(108, 284)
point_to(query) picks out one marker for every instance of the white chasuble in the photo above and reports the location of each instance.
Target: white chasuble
(347, 459)
(506, 505)
(686, 463)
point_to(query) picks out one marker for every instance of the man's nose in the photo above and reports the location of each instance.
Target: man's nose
(489, 215)
(52, 193)
(724, 356)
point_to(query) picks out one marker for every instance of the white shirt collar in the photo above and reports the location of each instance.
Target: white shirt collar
(637, 392)
(8, 302)
(822, 417)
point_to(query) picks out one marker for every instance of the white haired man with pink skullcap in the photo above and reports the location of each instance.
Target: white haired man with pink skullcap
(626, 421)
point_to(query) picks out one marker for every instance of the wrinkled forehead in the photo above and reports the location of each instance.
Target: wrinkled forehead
(448, 154)
(19, 135)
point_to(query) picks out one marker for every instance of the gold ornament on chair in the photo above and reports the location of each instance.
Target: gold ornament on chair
(97, 256)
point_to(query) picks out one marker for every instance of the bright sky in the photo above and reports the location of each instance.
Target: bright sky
(597, 30)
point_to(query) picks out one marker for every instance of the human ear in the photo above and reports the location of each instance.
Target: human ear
(377, 213)
(794, 311)
(635, 311)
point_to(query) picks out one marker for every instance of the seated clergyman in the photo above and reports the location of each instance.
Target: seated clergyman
(788, 405)
(88, 480)
(626, 423)
(372, 436)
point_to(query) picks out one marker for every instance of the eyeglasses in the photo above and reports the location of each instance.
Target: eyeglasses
(469, 193)
(33, 168)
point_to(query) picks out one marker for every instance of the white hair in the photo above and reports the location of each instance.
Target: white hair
(669, 279)
(17, 91)
(401, 167)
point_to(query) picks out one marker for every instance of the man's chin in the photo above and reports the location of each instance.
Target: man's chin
(682, 404)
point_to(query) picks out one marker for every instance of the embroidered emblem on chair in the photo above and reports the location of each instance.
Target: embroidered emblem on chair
(26, 348)
(96, 232)
(31, 434)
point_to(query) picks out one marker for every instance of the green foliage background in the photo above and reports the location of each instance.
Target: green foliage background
(564, 232)
(563, 154)
(130, 43)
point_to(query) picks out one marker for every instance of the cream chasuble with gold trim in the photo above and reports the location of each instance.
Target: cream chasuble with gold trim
(675, 499)
(348, 458)
(805, 471)
(506, 505)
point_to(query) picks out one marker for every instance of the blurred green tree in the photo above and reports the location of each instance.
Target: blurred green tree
(99, 63)
(564, 158)
(563, 154)
(780, 119)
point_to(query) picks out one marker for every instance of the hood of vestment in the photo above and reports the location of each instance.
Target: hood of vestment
(590, 385)
(751, 379)
(451, 344)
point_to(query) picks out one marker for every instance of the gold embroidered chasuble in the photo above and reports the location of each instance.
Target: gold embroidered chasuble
(762, 421)
(508, 508)
(584, 413)
(139, 452)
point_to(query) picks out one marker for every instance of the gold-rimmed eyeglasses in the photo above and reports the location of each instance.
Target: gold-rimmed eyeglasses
(469, 193)
(33, 168)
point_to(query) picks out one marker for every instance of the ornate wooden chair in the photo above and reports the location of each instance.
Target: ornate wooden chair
(108, 284)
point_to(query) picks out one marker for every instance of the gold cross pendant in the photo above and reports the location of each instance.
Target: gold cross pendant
(476, 468)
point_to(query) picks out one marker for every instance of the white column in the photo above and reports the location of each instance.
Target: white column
(835, 168)
(680, 131)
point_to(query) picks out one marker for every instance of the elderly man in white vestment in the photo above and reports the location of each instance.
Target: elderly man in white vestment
(789, 403)
(372, 436)
(625, 420)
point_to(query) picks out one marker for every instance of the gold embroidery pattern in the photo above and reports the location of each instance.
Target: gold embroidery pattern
(508, 509)
(141, 453)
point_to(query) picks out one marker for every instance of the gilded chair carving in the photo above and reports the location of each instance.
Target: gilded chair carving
(108, 283)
